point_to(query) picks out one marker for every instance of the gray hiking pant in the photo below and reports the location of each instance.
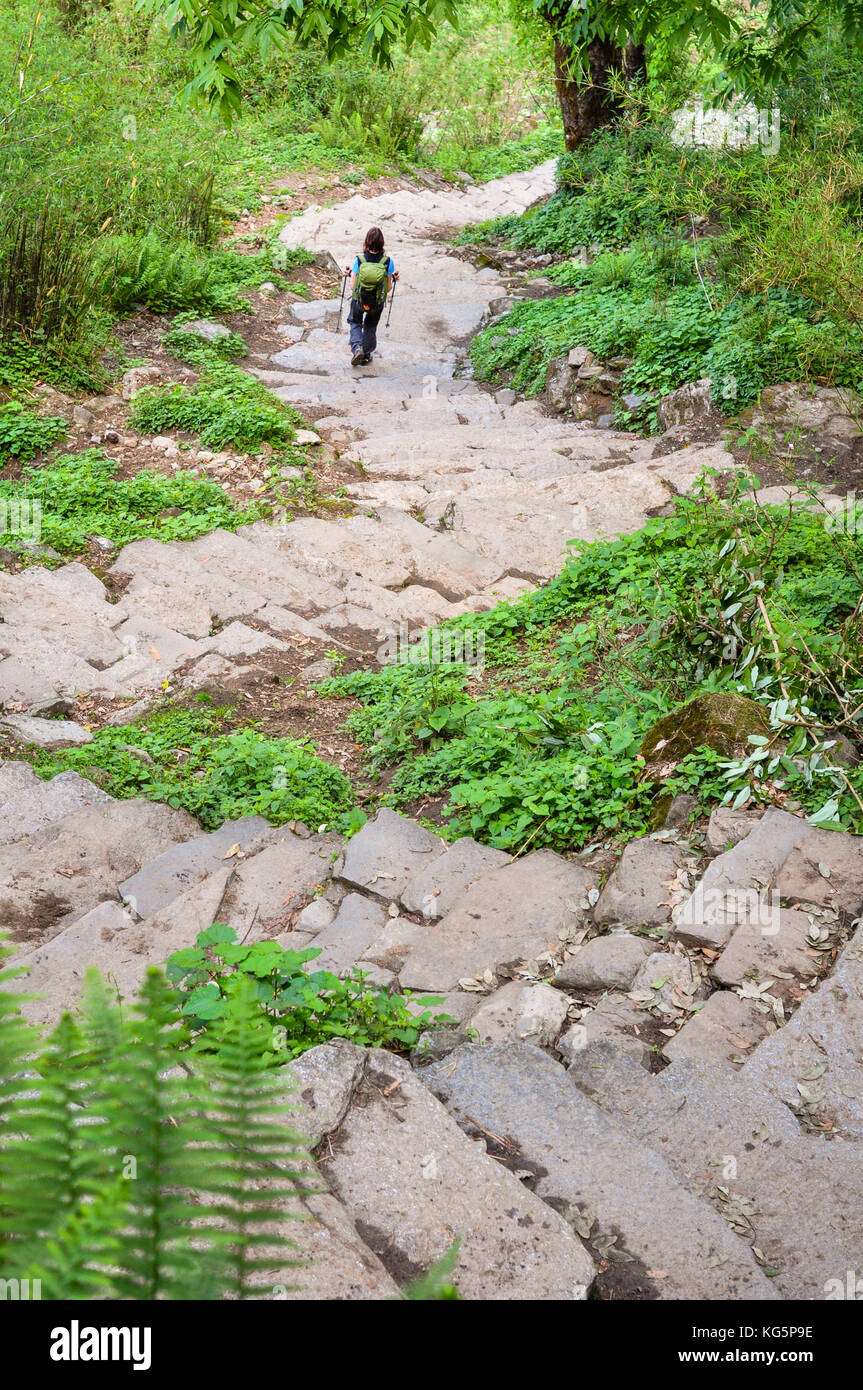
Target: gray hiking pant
(363, 328)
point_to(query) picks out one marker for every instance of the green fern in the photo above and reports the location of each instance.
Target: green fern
(132, 1168)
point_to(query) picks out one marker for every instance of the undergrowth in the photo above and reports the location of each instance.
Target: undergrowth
(545, 750)
(225, 406)
(193, 761)
(79, 496)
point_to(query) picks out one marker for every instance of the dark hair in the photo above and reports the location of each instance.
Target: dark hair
(374, 242)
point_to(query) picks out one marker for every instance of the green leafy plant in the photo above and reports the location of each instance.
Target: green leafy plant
(193, 763)
(224, 407)
(80, 496)
(296, 1008)
(23, 433)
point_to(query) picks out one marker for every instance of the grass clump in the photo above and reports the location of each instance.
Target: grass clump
(79, 496)
(224, 407)
(194, 762)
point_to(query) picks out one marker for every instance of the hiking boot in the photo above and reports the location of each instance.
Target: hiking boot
(364, 361)
(358, 358)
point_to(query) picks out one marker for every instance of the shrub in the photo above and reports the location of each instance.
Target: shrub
(224, 407)
(23, 433)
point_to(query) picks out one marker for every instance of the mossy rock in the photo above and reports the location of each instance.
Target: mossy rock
(722, 722)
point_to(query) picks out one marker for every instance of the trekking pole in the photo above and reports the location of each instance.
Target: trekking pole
(392, 297)
(342, 298)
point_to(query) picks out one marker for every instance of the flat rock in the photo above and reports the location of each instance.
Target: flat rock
(355, 926)
(45, 733)
(436, 888)
(394, 943)
(734, 886)
(815, 1062)
(673, 981)
(824, 867)
(162, 879)
(56, 875)
(637, 891)
(109, 938)
(509, 915)
(733, 1143)
(581, 1159)
(725, 1027)
(606, 962)
(757, 952)
(519, 1012)
(615, 1019)
(32, 804)
(387, 853)
(267, 889)
(338, 1265)
(412, 1182)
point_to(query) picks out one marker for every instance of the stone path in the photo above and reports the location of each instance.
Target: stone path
(651, 1084)
(465, 499)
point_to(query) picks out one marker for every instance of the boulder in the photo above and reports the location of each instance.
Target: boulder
(686, 403)
(387, 853)
(520, 1012)
(720, 721)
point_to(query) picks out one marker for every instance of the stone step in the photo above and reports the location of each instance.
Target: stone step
(792, 1195)
(412, 1183)
(160, 881)
(659, 1240)
(53, 877)
(28, 803)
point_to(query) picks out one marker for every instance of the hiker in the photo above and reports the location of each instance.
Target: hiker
(372, 275)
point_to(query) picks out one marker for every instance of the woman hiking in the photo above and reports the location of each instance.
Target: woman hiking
(372, 275)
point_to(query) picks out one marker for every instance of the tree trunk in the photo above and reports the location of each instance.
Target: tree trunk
(588, 104)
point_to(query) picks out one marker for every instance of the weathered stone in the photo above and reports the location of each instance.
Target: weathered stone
(721, 721)
(29, 804)
(583, 1162)
(207, 329)
(637, 892)
(685, 404)
(606, 962)
(680, 812)
(412, 1182)
(387, 853)
(734, 888)
(729, 1140)
(815, 1062)
(62, 871)
(161, 880)
(520, 1012)
(726, 828)
(316, 915)
(509, 915)
(436, 888)
(724, 1028)
(826, 868)
(616, 1019)
(355, 926)
(393, 944)
(45, 733)
(771, 950)
(327, 1077)
(338, 1266)
(673, 980)
(266, 889)
(109, 938)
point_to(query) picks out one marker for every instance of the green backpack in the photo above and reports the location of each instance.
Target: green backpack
(370, 288)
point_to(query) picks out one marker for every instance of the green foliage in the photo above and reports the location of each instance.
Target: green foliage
(167, 277)
(23, 433)
(629, 631)
(224, 407)
(649, 305)
(216, 775)
(203, 352)
(295, 1008)
(80, 496)
(126, 1177)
